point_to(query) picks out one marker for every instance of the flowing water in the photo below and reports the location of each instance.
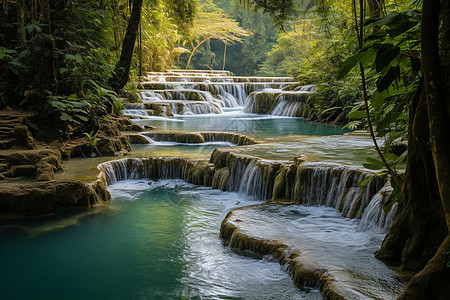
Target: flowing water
(157, 240)
(327, 240)
(160, 239)
(236, 121)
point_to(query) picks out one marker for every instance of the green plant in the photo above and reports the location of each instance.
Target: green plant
(70, 108)
(92, 142)
(102, 100)
(92, 138)
(389, 57)
(130, 92)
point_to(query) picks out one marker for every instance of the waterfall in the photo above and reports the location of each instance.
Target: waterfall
(250, 104)
(135, 109)
(286, 108)
(178, 95)
(278, 102)
(157, 168)
(292, 104)
(308, 88)
(333, 185)
(374, 215)
(250, 176)
(151, 96)
(148, 139)
(314, 184)
(195, 108)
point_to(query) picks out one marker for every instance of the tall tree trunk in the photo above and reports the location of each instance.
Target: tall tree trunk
(140, 51)
(438, 101)
(46, 16)
(419, 228)
(224, 57)
(375, 7)
(21, 34)
(423, 222)
(122, 69)
(49, 73)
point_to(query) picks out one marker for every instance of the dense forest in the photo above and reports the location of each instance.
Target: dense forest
(381, 65)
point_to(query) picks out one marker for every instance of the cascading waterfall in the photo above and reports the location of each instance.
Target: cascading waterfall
(333, 185)
(292, 104)
(135, 110)
(194, 108)
(278, 102)
(150, 96)
(312, 184)
(224, 90)
(309, 88)
(286, 108)
(375, 215)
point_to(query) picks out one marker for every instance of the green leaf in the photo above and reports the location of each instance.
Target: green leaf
(364, 56)
(389, 19)
(385, 57)
(356, 115)
(365, 181)
(402, 28)
(372, 166)
(63, 70)
(390, 156)
(378, 99)
(58, 104)
(77, 110)
(346, 67)
(376, 36)
(78, 104)
(82, 118)
(385, 81)
(389, 118)
(66, 117)
(78, 58)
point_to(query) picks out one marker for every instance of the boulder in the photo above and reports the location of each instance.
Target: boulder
(23, 137)
(110, 146)
(22, 170)
(44, 197)
(32, 157)
(137, 139)
(45, 171)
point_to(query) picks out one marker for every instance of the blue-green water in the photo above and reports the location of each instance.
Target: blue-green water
(259, 126)
(157, 240)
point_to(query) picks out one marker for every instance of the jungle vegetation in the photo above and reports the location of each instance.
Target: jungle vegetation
(385, 64)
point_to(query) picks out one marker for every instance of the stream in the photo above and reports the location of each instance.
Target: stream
(159, 238)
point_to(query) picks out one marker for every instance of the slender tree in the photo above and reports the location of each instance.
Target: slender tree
(122, 68)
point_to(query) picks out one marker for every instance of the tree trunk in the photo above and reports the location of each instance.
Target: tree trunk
(432, 281)
(423, 221)
(375, 7)
(48, 69)
(437, 99)
(46, 19)
(224, 57)
(122, 69)
(193, 51)
(21, 34)
(419, 228)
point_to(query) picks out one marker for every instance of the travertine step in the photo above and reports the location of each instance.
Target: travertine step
(7, 143)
